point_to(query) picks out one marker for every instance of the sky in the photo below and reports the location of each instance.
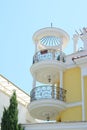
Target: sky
(20, 19)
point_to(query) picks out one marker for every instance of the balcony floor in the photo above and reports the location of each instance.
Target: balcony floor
(42, 109)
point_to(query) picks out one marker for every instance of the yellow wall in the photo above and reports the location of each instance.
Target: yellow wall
(72, 83)
(72, 114)
(85, 89)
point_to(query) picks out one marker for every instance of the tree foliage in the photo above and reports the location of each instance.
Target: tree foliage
(4, 123)
(10, 115)
(13, 113)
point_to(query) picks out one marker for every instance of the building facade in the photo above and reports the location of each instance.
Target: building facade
(6, 91)
(58, 99)
(62, 94)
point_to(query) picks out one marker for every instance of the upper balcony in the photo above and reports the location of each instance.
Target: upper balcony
(48, 63)
(47, 101)
(50, 54)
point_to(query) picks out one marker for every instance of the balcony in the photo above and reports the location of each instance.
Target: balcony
(48, 63)
(47, 101)
(48, 92)
(48, 55)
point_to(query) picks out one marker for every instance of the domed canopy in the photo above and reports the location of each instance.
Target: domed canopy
(50, 37)
(50, 41)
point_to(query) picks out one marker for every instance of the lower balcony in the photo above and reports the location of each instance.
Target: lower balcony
(47, 101)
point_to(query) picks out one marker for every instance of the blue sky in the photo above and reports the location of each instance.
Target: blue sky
(19, 19)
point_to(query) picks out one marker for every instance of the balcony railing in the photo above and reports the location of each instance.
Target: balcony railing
(48, 92)
(48, 55)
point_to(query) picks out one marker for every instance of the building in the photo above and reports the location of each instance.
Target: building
(6, 91)
(59, 102)
(61, 98)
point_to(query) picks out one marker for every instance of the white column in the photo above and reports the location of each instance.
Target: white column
(61, 79)
(53, 55)
(75, 42)
(61, 50)
(36, 42)
(34, 82)
(83, 96)
(84, 37)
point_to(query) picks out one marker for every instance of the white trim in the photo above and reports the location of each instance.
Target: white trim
(74, 104)
(57, 126)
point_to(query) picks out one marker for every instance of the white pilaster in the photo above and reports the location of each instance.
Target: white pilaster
(61, 79)
(83, 95)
